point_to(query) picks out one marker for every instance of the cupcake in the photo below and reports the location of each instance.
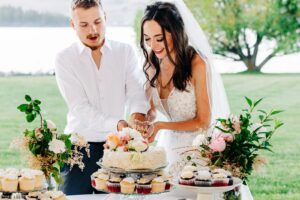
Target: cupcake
(56, 195)
(166, 177)
(101, 181)
(2, 173)
(203, 178)
(190, 168)
(9, 183)
(27, 182)
(39, 179)
(113, 184)
(158, 185)
(220, 179)
(143, 186)
(187, 178)
(127, 185)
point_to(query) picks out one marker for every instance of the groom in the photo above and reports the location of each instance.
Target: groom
(96, 78)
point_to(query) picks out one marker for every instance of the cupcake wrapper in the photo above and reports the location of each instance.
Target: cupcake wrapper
(114, 187)
(186, 182)
(143, 189)
(202, 183)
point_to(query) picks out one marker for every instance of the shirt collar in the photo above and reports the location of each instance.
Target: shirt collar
(82, 48)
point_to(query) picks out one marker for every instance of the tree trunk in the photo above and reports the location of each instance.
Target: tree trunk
(250, 64)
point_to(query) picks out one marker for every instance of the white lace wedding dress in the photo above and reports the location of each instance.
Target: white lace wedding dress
(180, 106)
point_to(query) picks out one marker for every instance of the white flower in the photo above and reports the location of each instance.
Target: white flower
(132, 132)
(137, 145)
(50, 124)
(199, 140)
(57, 146)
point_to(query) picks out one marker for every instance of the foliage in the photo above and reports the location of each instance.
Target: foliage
(236, 141)
(47, 149)
(237, 28)
(15, 16)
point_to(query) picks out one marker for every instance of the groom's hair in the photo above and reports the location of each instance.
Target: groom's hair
(85, 4)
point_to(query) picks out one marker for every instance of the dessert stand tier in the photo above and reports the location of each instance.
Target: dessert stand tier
(210, 193)
(133, 173)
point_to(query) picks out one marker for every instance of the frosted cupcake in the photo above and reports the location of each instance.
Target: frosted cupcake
(2, 173)
(158, 185)
(101, 181)
(56, 195)
(143, 186)
(167, 178)
(187, 178)
(27, 182)
(10, 183)
(127, 185)
(113, 184)
(220, 179)
(39, 179)
(203, 178)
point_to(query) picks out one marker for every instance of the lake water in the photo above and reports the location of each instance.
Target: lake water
(34, 49)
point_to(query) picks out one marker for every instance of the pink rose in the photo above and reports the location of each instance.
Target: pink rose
(236, 124)
(218, 144)
(227, 137)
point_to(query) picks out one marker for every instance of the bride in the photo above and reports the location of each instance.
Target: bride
(181, 81)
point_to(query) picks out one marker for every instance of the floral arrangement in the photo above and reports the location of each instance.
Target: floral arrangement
(44, 147)
(235, 142)
(126, 140)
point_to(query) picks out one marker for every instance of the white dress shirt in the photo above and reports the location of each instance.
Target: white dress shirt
(95, 98)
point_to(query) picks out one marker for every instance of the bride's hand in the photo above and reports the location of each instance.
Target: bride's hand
(152, 131)
(141, 126)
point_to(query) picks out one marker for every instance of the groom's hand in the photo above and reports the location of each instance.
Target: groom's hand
(121, 124)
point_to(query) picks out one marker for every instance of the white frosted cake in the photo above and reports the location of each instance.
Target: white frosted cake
(128, 150)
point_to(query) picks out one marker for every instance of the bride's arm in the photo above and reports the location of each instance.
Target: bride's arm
(202, 119)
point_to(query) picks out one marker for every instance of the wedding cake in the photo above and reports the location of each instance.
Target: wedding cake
(128, 150)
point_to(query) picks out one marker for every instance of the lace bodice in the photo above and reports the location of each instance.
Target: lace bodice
(181, 104)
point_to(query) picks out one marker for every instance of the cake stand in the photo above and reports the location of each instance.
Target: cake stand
(210, 193)
(133, 173)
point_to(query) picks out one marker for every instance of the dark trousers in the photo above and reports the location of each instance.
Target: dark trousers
(77, 181)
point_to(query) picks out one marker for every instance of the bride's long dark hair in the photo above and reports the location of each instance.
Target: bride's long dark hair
(168, 17)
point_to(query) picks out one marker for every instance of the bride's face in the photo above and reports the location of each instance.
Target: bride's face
(153, 37)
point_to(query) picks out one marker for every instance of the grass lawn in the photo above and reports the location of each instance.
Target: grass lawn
(279, 180)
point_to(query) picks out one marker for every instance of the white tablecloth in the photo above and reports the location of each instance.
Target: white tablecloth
(174, 195)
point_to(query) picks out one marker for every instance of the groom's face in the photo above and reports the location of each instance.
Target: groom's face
(89, 25)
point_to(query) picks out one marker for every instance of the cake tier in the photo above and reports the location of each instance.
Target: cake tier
(153, 158)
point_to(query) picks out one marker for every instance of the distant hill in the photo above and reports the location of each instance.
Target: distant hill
(119, 12)
(16, 17)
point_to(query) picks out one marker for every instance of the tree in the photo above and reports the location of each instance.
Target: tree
(237, 28)
(15, 16)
